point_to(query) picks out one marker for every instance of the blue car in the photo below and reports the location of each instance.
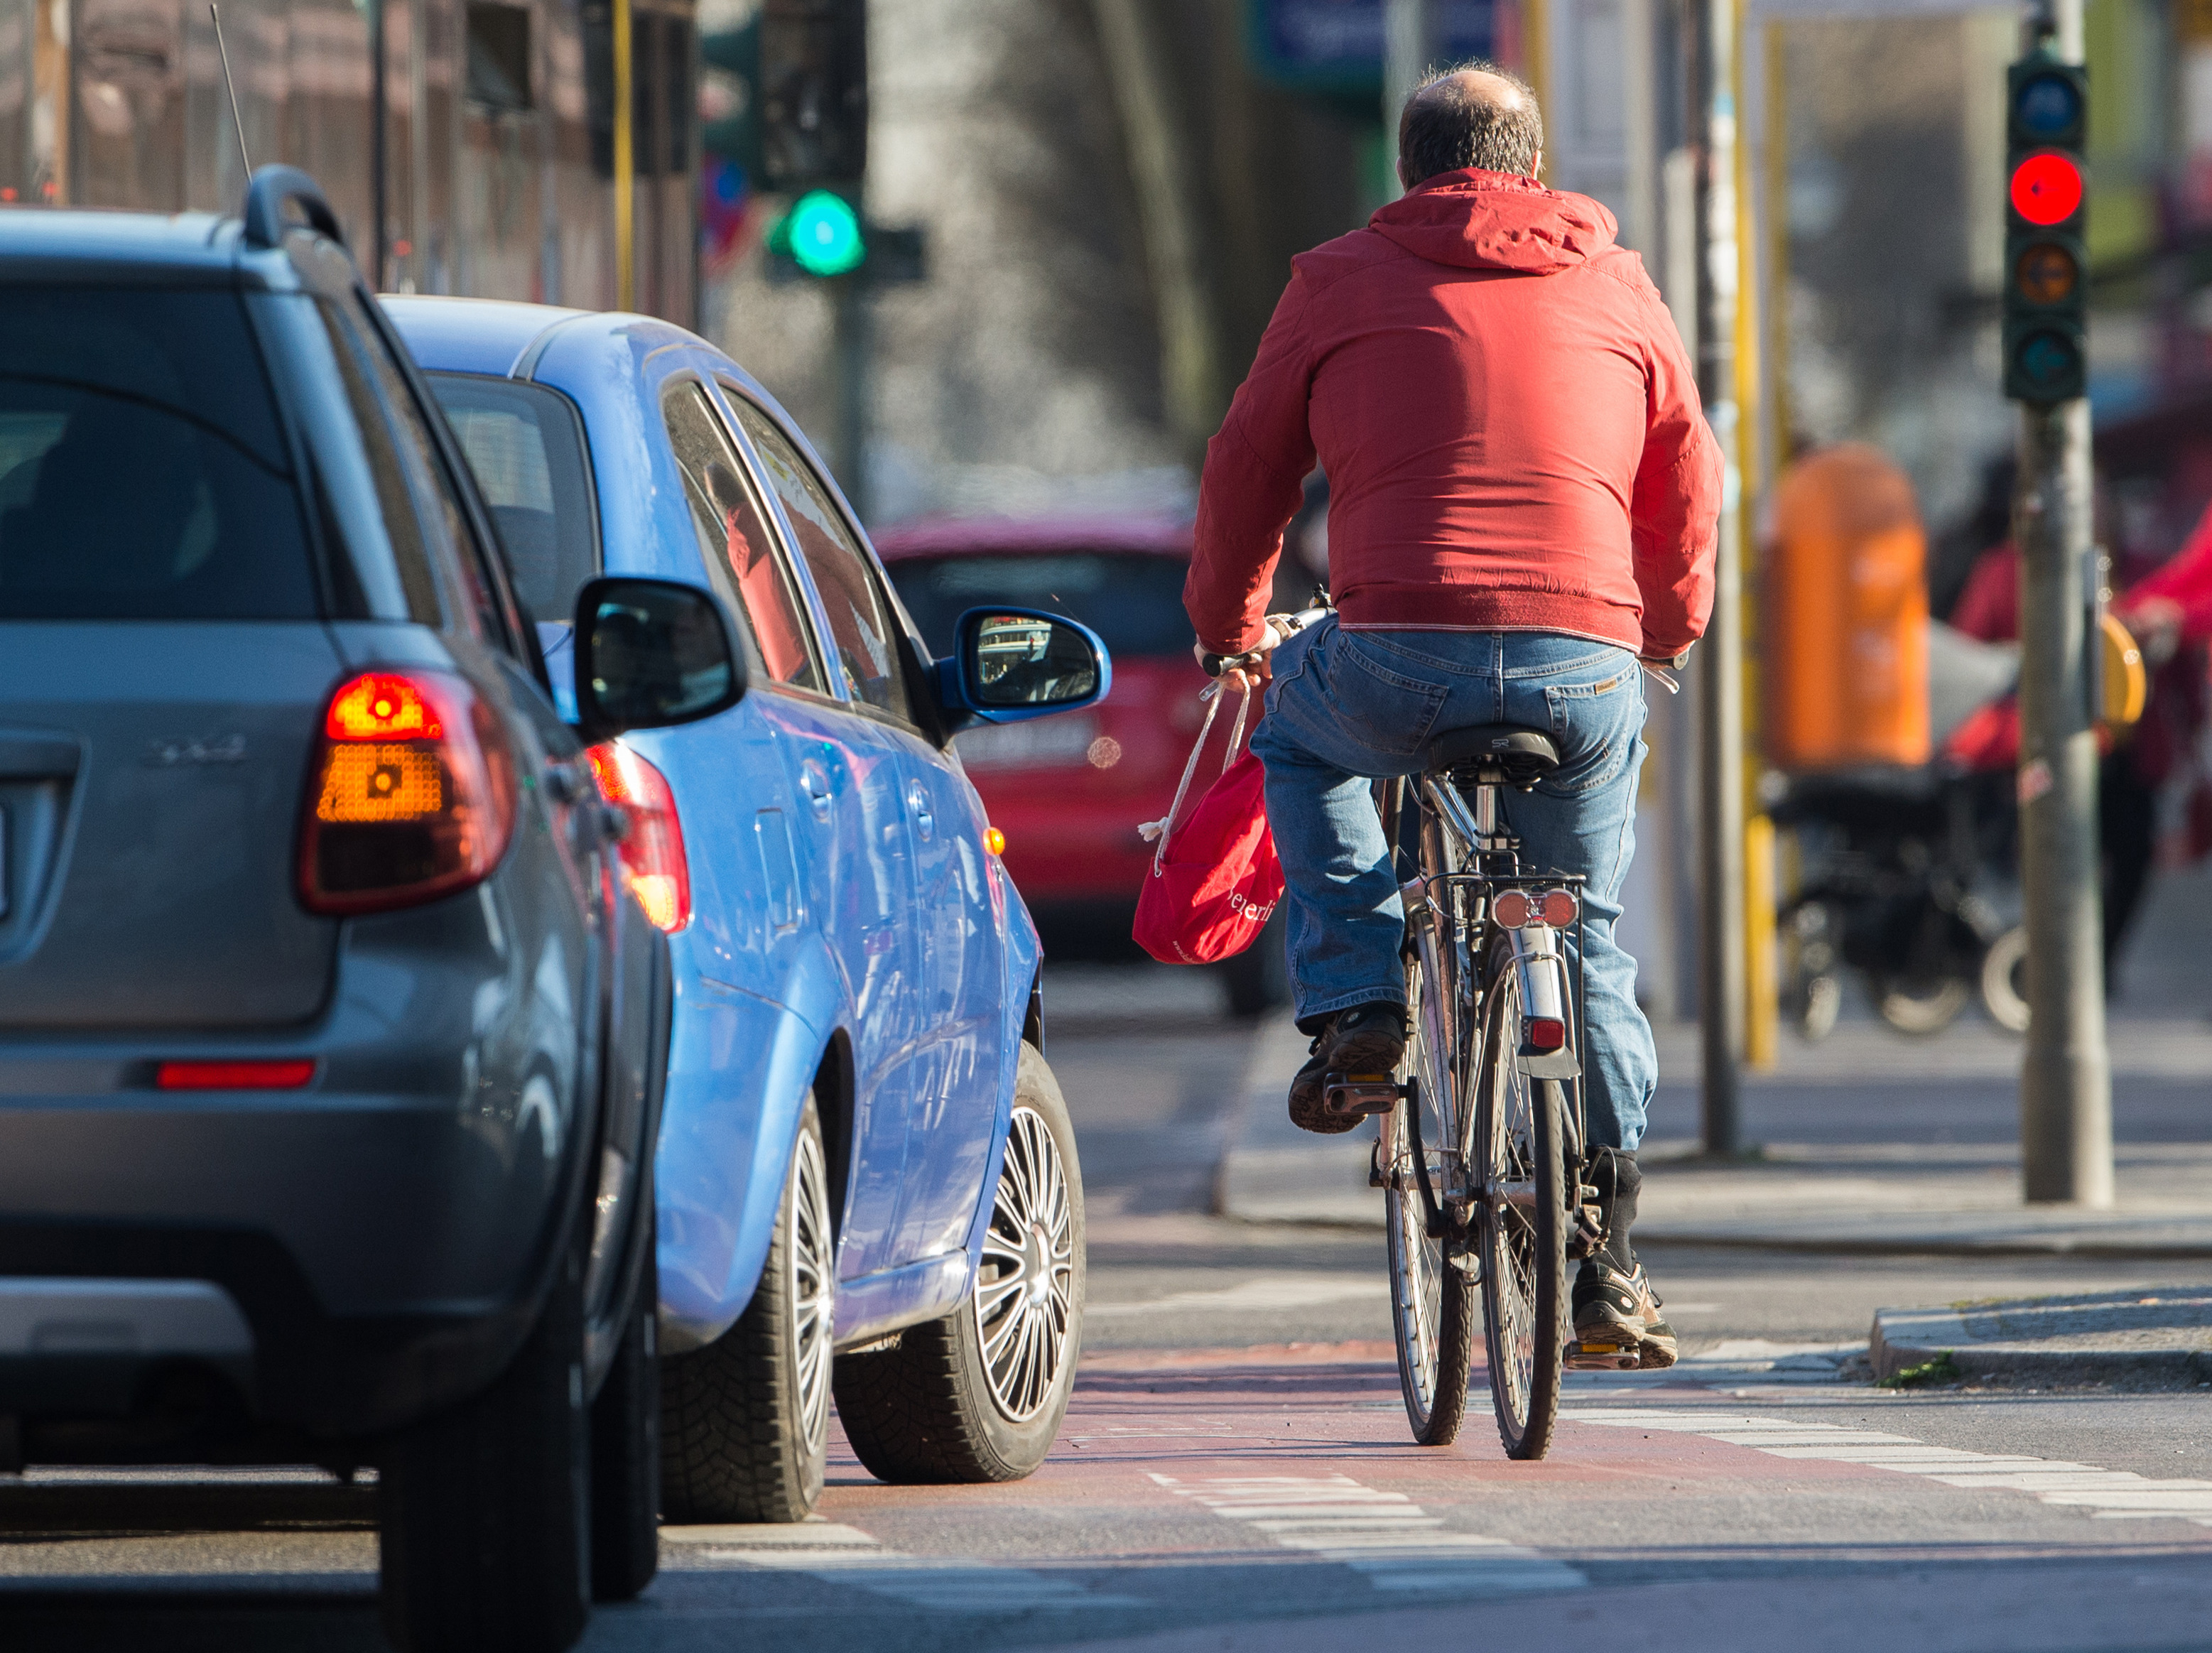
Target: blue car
(866, 1178)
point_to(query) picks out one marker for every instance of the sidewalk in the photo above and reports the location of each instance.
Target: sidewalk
(1872, 1144)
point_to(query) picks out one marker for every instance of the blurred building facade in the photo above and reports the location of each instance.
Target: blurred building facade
(495, 128)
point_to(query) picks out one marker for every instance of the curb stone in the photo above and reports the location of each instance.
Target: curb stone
(1903, 1338)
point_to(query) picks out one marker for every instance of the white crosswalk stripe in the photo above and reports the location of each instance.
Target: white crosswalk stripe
(2107, 1494)
(1398, 1546)
(837, 1554)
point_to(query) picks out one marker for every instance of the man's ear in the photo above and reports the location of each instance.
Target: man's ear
(1399, 166)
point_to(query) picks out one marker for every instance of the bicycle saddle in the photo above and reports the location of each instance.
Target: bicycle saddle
(1490, 754)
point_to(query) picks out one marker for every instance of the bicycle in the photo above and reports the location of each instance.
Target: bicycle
(1484, 1116)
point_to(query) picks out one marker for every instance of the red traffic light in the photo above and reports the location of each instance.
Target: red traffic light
(2046, 188)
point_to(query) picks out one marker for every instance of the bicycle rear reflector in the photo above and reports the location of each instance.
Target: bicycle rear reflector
(1513, 908)
(1542, 1034)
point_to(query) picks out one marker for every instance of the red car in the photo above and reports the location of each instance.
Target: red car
(1069, 791)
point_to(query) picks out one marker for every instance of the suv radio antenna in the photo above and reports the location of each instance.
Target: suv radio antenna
(231, 87)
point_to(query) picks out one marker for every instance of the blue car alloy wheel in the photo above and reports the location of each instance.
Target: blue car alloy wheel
(978, 1395)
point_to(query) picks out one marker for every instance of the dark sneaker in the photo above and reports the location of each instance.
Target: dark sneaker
(1616, 1315)
(1367, 1041)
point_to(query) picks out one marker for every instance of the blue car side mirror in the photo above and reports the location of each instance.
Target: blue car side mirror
(650, 655)
(1009, 665)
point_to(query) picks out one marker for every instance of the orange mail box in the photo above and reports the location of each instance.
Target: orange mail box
(1846, 633)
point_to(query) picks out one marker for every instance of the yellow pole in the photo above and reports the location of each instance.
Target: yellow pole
(1761, 989)
(625, 163)
(1760, 975)
(1535, 57)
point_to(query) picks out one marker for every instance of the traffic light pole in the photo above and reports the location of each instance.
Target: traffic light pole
(854, 319)
(2065, 1086)
(1718, 664)
(2065, 1080)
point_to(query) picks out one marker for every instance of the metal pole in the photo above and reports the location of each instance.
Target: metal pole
(1711, 25)
(625, 160)
(379, 122)
(855, 348)
(2065, 1082)
(1408, 38)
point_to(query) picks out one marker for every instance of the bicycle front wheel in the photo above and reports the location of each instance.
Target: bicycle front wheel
(1432, 1298)
(1520, 1172)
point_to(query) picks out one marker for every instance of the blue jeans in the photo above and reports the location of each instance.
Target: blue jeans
(1346, 707)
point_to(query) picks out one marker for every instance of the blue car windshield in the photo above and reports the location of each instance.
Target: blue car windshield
(143, 473)
(1132, 600)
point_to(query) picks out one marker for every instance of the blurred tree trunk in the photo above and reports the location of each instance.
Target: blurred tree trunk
(1139, 64)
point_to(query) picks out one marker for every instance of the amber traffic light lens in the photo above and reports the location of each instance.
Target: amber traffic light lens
(2046, 274)
(2046, 189)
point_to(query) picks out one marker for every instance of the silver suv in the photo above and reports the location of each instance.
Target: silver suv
(331, 1046)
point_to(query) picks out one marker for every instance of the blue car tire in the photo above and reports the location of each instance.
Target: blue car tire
(979, 1396)
(744, 1430)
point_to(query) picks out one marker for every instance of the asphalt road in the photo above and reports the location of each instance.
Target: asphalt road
(1236, 1473)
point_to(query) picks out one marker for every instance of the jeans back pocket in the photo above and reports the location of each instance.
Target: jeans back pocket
(1387, 711)
(1597, 725)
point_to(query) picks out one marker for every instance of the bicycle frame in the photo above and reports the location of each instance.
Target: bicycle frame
(1449, 915)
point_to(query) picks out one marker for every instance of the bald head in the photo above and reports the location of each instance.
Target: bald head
(1476, 115)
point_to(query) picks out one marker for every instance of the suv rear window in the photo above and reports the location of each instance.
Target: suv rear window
(1132, 600)
(526, 448)
(143, 474)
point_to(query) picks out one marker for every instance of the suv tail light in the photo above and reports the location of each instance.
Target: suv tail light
(413, 795)
(653, 860)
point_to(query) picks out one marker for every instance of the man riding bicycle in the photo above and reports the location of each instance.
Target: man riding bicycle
(1522, 502)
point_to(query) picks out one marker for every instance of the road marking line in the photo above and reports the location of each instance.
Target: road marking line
(835, 1554)
(1270, 1293)
(1397, 1545)
(2111, 1494)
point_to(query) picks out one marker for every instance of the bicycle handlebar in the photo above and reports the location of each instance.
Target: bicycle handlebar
(1215, 664)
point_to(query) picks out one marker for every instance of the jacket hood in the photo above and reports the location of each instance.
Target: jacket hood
(1497, 221)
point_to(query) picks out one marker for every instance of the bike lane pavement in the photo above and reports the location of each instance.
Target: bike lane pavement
(1270, 1499)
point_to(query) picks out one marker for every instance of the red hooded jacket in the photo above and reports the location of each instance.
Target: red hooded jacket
(1509, 422)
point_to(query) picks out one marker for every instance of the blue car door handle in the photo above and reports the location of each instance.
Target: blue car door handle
(816, 780)
(917, 800)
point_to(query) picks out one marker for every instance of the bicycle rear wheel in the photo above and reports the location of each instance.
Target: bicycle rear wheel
(1431, 1299)
(1520, 1173)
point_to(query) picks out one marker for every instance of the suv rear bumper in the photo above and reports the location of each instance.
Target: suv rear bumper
(90, 1346)
(387, 1231)
(299, 1366)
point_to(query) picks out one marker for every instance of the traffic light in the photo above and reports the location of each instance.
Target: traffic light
(821, 235)
(812, 57)
(2046, 342)
(824, 235)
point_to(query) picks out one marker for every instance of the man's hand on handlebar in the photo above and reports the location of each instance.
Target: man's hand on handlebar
(1251, 669)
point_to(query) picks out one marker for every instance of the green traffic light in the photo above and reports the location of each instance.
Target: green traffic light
(823, 234)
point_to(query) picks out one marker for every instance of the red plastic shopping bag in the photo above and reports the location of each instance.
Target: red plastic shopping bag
(1214, 877)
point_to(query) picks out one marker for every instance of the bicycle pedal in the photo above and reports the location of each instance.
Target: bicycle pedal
(1360, 1093)
(1601, 1357)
